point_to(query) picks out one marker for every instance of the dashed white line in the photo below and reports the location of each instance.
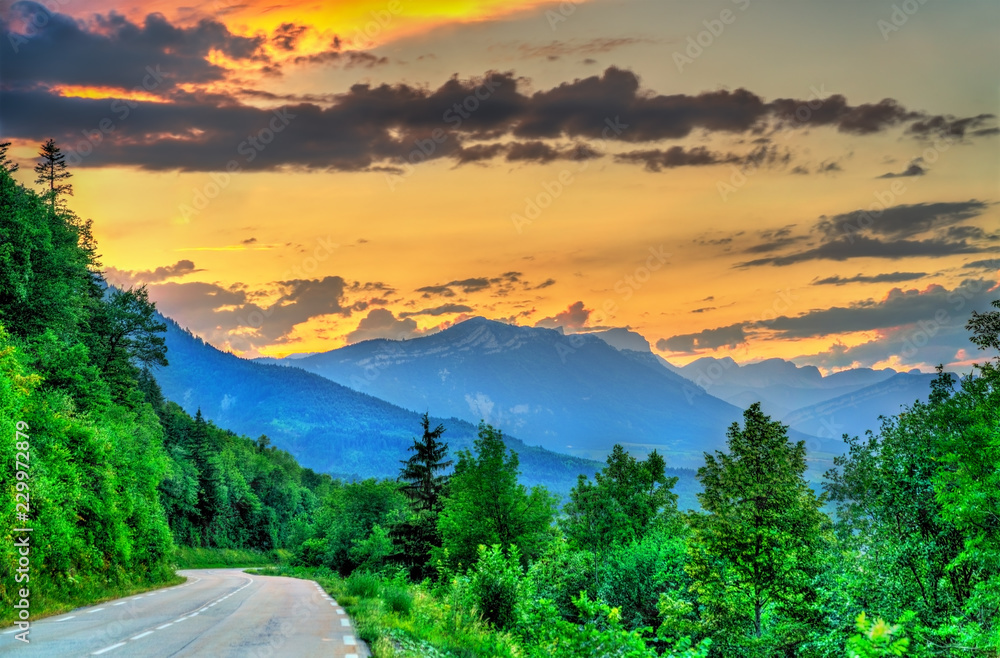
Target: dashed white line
(160, 628)
(90, 612)
(9, 632)
(350, 655)
(349, 640)
(67, 618)
(121, 603)
(142, 635)
(344, 621)
(107, 649)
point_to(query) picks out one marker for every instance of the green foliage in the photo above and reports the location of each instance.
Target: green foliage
(417, 535)
(495, 584)
(877, 639)
(486, 505)
(755, 550)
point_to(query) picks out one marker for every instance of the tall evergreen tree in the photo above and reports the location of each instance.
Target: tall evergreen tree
(417, 535)
(755, 550)
(52, 173)
(6, 163)
(424, 485)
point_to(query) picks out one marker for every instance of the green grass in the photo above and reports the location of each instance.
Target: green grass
(219, 558)
(43, 605)
(401, 620)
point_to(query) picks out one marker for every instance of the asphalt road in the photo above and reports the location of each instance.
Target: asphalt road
(217, 613)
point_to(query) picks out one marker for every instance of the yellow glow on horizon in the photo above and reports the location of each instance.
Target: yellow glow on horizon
(116, 93)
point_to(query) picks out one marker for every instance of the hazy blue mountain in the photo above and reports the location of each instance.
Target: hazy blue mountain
(573, 394)
(623, 339)
(781, 386)
(859, 410)
(326, 426)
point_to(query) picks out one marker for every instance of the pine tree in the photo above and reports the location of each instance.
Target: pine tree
(51, 170)
(5, 162)
(417, 535)
(424, 486)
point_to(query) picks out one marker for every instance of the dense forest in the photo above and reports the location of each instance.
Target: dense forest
(898, 555)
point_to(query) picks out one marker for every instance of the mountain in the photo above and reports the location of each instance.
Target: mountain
(574, 394)
(780, 386)
(326, 426)
(859, 410)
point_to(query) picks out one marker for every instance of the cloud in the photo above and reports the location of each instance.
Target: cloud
(676, 156)
(499, 286)
(573, 318)
(863, 247)
(860, 234)
(381, 323)
(904, 221)
(892, 277)
(126, 278)
(439, 310)
(376, 127)
(113, 52)
(231, 316)
(729, 336)
(898, 308)
(993, 264)
(913, 170)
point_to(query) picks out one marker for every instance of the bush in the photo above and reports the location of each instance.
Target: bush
(363, 585)
(495, 583)
(397, 599)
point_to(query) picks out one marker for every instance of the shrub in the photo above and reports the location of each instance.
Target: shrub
(363, 585)
(495, 583)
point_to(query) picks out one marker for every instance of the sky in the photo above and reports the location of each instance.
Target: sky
(815, 181)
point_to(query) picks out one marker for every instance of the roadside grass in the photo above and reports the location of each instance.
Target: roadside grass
(79, 595)
(187, 557)
(401, 620)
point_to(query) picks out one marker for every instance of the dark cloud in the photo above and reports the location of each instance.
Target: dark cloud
(729, 336)
(676, 156)
(891, 277)
(370, 127)
(287, 35)
(499, 286)
(347, 58)
(864, 247)
(898, 308)
(381, 323)
(903, 221)
(913, 170)
(573, 318)
(885, 233)
(439, 310)
(949, 126)
(231, 316)
(126, 278)
(114, 52)
(988, 265)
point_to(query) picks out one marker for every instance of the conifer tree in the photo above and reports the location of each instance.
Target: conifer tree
(52, 173)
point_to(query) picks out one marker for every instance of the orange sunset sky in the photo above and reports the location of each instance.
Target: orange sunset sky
(810, 180)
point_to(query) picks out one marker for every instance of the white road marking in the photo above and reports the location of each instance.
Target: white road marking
(160, 628)
(90, 612)
(120, 603)
(142, 635)
(9, 632)
(344, 621)
(106, 649)
(340, 611)
(349, 640)
(350, 655)
(67, 618)
(177, 621)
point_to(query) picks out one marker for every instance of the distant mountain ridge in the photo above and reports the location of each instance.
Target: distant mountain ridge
(326, 426)
(568, 393)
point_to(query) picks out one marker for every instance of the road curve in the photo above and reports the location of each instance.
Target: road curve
(217, 612)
